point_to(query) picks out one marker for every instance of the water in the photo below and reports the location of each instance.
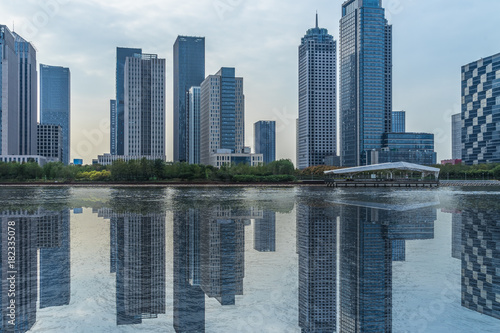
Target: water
(250, 259)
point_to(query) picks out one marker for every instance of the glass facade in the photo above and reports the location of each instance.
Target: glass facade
(193, 125)
(424, 141)
(481, 111)
(189, 71)
(55, 103)
(227, 108)
(265, 140)
(398, 121)
(317, 122)
(121, 57)
(112, 122)
(456, 136)
(365, 79)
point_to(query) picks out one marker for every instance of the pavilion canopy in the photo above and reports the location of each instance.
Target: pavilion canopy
(425, 170)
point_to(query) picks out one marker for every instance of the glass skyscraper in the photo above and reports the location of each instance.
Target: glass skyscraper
(480, 106)
(365, 79)
(55, 103)
(189, 71)
(456, 136)
(265, 140)
(193, 125)
(398, 121)
(317, 123)
(121, 57)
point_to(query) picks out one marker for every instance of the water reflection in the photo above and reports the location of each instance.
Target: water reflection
(22, 234)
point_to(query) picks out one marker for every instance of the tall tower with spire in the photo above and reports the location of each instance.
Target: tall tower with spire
(317, 123)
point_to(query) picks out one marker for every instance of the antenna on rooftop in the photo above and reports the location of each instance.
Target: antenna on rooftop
(317, 20)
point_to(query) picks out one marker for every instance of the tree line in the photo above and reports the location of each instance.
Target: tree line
(145, 170)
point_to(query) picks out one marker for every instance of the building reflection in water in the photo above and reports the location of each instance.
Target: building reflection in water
(49, 232)
(372, 236)
(138, 258)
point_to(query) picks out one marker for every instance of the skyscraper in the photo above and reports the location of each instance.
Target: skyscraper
(189, 71)
(112, 126)
(265, 140)
(456, 136)
(9, 88)
(50, 142)
(121, 57)
(193, 125)
(365, 79)
(144, 106)
(55, 103)
(480, 100)
(398, 121)
(317, 123)
(28, 91)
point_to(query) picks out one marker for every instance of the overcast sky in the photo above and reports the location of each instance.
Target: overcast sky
(431, 41)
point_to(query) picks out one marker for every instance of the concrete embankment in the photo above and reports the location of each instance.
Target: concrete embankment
(469, 183)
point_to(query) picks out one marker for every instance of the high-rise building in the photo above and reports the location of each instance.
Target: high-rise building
(121, 57)
(265, 140)
(9, 90)
(480, 100)
(50, 142)
(193, 125)
(222, 120)
(456, 136)
(317, 124)
(55, 103)
(189, 71)
(28, 93)
(365, 79)
(398, 122)
(265, 232)
(144, 106)
(112, 126)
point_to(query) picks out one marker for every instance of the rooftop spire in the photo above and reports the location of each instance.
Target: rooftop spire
(317, 20)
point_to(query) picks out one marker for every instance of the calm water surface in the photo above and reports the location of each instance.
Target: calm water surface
(250, 260)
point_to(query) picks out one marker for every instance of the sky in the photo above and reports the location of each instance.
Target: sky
(260, 38)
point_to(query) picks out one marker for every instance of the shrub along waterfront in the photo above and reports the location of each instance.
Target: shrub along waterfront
(145, 170)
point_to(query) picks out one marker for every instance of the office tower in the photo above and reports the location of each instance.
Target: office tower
(189, 71)
(365, 79)
(317, 132)
(408, 147)
(222, 121)
(317, 249)
(456, 136)
(55, 103)
(265, 140)
(480, 99)
(398, 121)
(28, 91)
(9, 90)
(193, 125)
(55, 268)
(112, 126)
(144, 106)
(189, 298)
(480, 267)
(265, 232)
(121, 57)
(50, 142)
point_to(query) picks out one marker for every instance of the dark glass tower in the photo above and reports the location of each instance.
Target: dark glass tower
(265, 140)
(365, 79)
(317, 123)
(55, 102)
(121, 58)
(189, 71)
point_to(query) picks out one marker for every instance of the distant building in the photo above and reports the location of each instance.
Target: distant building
(193, 125)
(265, 140)
(415, 148)
(55, 103)
(480, 101)
(108, 159)
(317, 123)
(50, 141)
(456, 136)
(365, 79)
(26, 159)
(398, 121)
(452, 162)
(113, 126)
(222, 120)
(78, 161)
(189, 71)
